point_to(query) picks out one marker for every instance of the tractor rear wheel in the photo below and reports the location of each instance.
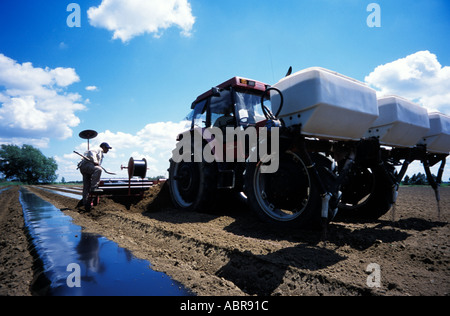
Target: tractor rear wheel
(286, 198)
(192, 185)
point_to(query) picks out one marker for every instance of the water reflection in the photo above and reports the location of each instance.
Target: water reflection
(66, 194)
(88, 251)
(105, 268)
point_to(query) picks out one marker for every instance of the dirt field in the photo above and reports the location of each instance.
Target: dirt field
(229, 252)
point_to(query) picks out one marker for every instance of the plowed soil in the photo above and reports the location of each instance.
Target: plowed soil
(228, 251)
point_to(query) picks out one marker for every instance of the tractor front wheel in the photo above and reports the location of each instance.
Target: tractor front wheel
(192, 185)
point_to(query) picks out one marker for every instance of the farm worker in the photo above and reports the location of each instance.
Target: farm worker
(92, 171)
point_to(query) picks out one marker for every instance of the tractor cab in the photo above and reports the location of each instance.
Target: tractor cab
(236, 102)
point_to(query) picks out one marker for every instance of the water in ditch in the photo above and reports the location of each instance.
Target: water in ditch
(76, 196)
(75, 263)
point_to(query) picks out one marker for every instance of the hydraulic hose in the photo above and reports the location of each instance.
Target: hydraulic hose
(267, 113)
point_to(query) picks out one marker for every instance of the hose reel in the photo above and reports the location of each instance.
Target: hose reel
(136, 168)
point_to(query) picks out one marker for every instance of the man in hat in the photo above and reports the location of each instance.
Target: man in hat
(91, 171)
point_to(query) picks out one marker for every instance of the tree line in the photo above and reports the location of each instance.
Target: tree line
(26, 164)
(417, 179)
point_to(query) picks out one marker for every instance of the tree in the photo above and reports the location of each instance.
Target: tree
(406, 180)
(26, 164)
(418, 179)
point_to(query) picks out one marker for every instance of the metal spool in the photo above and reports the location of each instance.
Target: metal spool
(137, 168)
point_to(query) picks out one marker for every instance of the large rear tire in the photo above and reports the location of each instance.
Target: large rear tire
(286, 198)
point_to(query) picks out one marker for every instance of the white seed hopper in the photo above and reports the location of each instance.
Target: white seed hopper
(401, 123)
(327, 104)
(438, 137)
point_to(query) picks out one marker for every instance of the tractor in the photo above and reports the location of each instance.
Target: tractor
(340, 151)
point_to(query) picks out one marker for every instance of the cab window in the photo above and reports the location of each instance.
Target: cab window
(221, 108)
(199, 115)
(248, 108)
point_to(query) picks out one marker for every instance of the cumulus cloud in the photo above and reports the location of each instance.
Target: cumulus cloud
(34, 103)
(130, 18)
(19, 141)
(418, 77)
(91, 88)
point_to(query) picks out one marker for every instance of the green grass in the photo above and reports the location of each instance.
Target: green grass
(7, 183)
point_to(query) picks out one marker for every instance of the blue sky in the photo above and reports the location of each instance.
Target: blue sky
(134, 67)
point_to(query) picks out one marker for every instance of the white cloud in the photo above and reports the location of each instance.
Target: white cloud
(130, 18)
(34, 103)
(63, 46)
(35, 142)
(91, 88)
(64, 76)
(418, 77)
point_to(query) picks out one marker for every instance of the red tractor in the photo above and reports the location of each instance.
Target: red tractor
(234, 103)
(287, 196)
